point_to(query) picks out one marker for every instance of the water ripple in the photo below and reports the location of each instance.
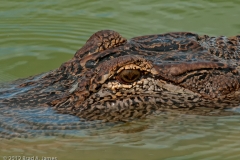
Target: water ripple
(37, 36)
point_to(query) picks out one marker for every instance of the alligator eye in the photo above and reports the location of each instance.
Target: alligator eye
(129, 75)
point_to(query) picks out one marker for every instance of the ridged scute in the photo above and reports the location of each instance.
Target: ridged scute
(179, 70)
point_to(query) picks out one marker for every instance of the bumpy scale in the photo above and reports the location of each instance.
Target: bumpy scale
(114, 79)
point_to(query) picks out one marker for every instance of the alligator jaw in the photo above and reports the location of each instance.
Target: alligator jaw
(180, 70)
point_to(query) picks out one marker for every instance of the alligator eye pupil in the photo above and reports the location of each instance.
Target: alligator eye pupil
(129, 75)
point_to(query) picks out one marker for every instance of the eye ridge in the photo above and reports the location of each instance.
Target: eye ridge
(128, 76)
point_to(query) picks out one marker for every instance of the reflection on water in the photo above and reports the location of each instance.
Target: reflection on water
(180, 136)
(37, 36)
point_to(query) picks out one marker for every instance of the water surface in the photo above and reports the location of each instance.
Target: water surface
(37, 36)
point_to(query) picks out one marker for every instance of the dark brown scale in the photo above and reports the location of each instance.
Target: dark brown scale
(180, 71)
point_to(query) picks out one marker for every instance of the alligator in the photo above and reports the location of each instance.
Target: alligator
(114, 79)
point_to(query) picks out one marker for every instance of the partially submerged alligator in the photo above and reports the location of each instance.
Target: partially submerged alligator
(114, 79)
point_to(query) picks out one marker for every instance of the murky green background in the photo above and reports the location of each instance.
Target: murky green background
(37, 36)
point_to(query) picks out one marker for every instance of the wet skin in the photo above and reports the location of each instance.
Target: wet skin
(114, 79)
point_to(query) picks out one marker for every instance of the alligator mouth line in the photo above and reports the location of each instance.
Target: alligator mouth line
(178, 67)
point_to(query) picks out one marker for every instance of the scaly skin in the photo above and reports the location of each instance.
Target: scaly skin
(114, 79)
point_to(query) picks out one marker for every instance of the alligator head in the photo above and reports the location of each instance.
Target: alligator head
(114, 79)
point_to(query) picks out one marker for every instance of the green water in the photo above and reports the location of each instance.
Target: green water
(37, 36)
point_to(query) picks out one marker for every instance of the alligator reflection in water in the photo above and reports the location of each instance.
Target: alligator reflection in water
(112, 79)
